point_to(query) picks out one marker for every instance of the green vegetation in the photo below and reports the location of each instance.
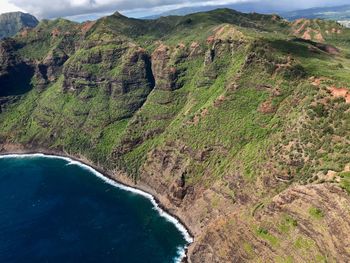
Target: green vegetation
(302, 243)
(345, 181)
(287, 224)
(226, 108)
(264, 234)
(248, 249)
(216, 104)
(284, 260)
(316, 213)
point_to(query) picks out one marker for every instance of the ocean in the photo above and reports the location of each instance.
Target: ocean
(53, 209)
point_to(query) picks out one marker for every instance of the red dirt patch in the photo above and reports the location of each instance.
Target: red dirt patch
(275, 18)
(210, 40)
(347, 98)
(303, 29)
(199, 115)
(162, 48)
(24, 32)
(281, 66)
(311, 34)
(306, 35)
(318, 36)
(181, 46)
(340, 93)
(194, 49)
(219, 101)
(204, 113)
(194, 45)
(55, 32)
(87, 26)
(220, 30)
(141, 50)
(267, 107)
(172, 70)
(276, 92)
(303, 22)
(317, 81)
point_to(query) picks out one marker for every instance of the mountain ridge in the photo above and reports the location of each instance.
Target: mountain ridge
(331, 13)
(237, 123)
(338, 13)
(240, 7)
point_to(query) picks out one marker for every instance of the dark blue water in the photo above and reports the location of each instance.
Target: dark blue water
(54, 212)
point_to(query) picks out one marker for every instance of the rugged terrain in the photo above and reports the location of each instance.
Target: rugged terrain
(12, 23)
(238, 123)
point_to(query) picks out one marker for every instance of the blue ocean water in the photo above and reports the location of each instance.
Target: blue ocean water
(52, 211)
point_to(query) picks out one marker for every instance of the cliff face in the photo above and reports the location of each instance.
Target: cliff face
(12, 66)
(14, 22)
(238, 128)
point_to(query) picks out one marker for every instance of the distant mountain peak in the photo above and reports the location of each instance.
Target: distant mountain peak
(118, 14)
(337, 13)
(13, 22)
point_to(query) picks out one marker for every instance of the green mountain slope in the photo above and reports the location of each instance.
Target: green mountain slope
(12, 23)
(238, 123)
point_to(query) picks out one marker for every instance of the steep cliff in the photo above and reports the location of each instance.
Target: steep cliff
(14, 22)
(237, 123)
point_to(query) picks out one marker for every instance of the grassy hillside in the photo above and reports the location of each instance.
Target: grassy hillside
(228, 117)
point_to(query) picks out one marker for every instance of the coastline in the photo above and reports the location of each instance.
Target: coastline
(111, 178)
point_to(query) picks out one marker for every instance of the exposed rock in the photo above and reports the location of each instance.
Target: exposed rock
(50, 68)
(135, 71)
(320, 232)
(164, 73)
(330, 201)
(15, 73)
(14, 22)
(184, 123)
(195, 50)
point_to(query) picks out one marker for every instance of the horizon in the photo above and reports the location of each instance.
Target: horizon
(98, 8)
(232, 119)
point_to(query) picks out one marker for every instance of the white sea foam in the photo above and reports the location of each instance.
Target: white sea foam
(181, 253)
(181, 250)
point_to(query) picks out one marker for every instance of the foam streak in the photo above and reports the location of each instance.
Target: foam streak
(181, 251)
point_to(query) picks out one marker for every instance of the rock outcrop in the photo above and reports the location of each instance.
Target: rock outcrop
(216, 114)
(164, 66)
(14, 22)
(15, 72)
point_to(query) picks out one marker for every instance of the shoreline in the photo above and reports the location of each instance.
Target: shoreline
(107, 177)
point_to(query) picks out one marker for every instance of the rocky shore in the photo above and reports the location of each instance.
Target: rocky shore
(116, 176)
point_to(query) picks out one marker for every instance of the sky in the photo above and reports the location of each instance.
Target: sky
(91, 9)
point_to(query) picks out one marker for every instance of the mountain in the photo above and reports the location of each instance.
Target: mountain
(237, 123)
(248, 7)
(12, 23)
(337, 13)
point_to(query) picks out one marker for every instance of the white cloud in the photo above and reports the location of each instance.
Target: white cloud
(66, 8)
(5, 7)
(57, 8)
